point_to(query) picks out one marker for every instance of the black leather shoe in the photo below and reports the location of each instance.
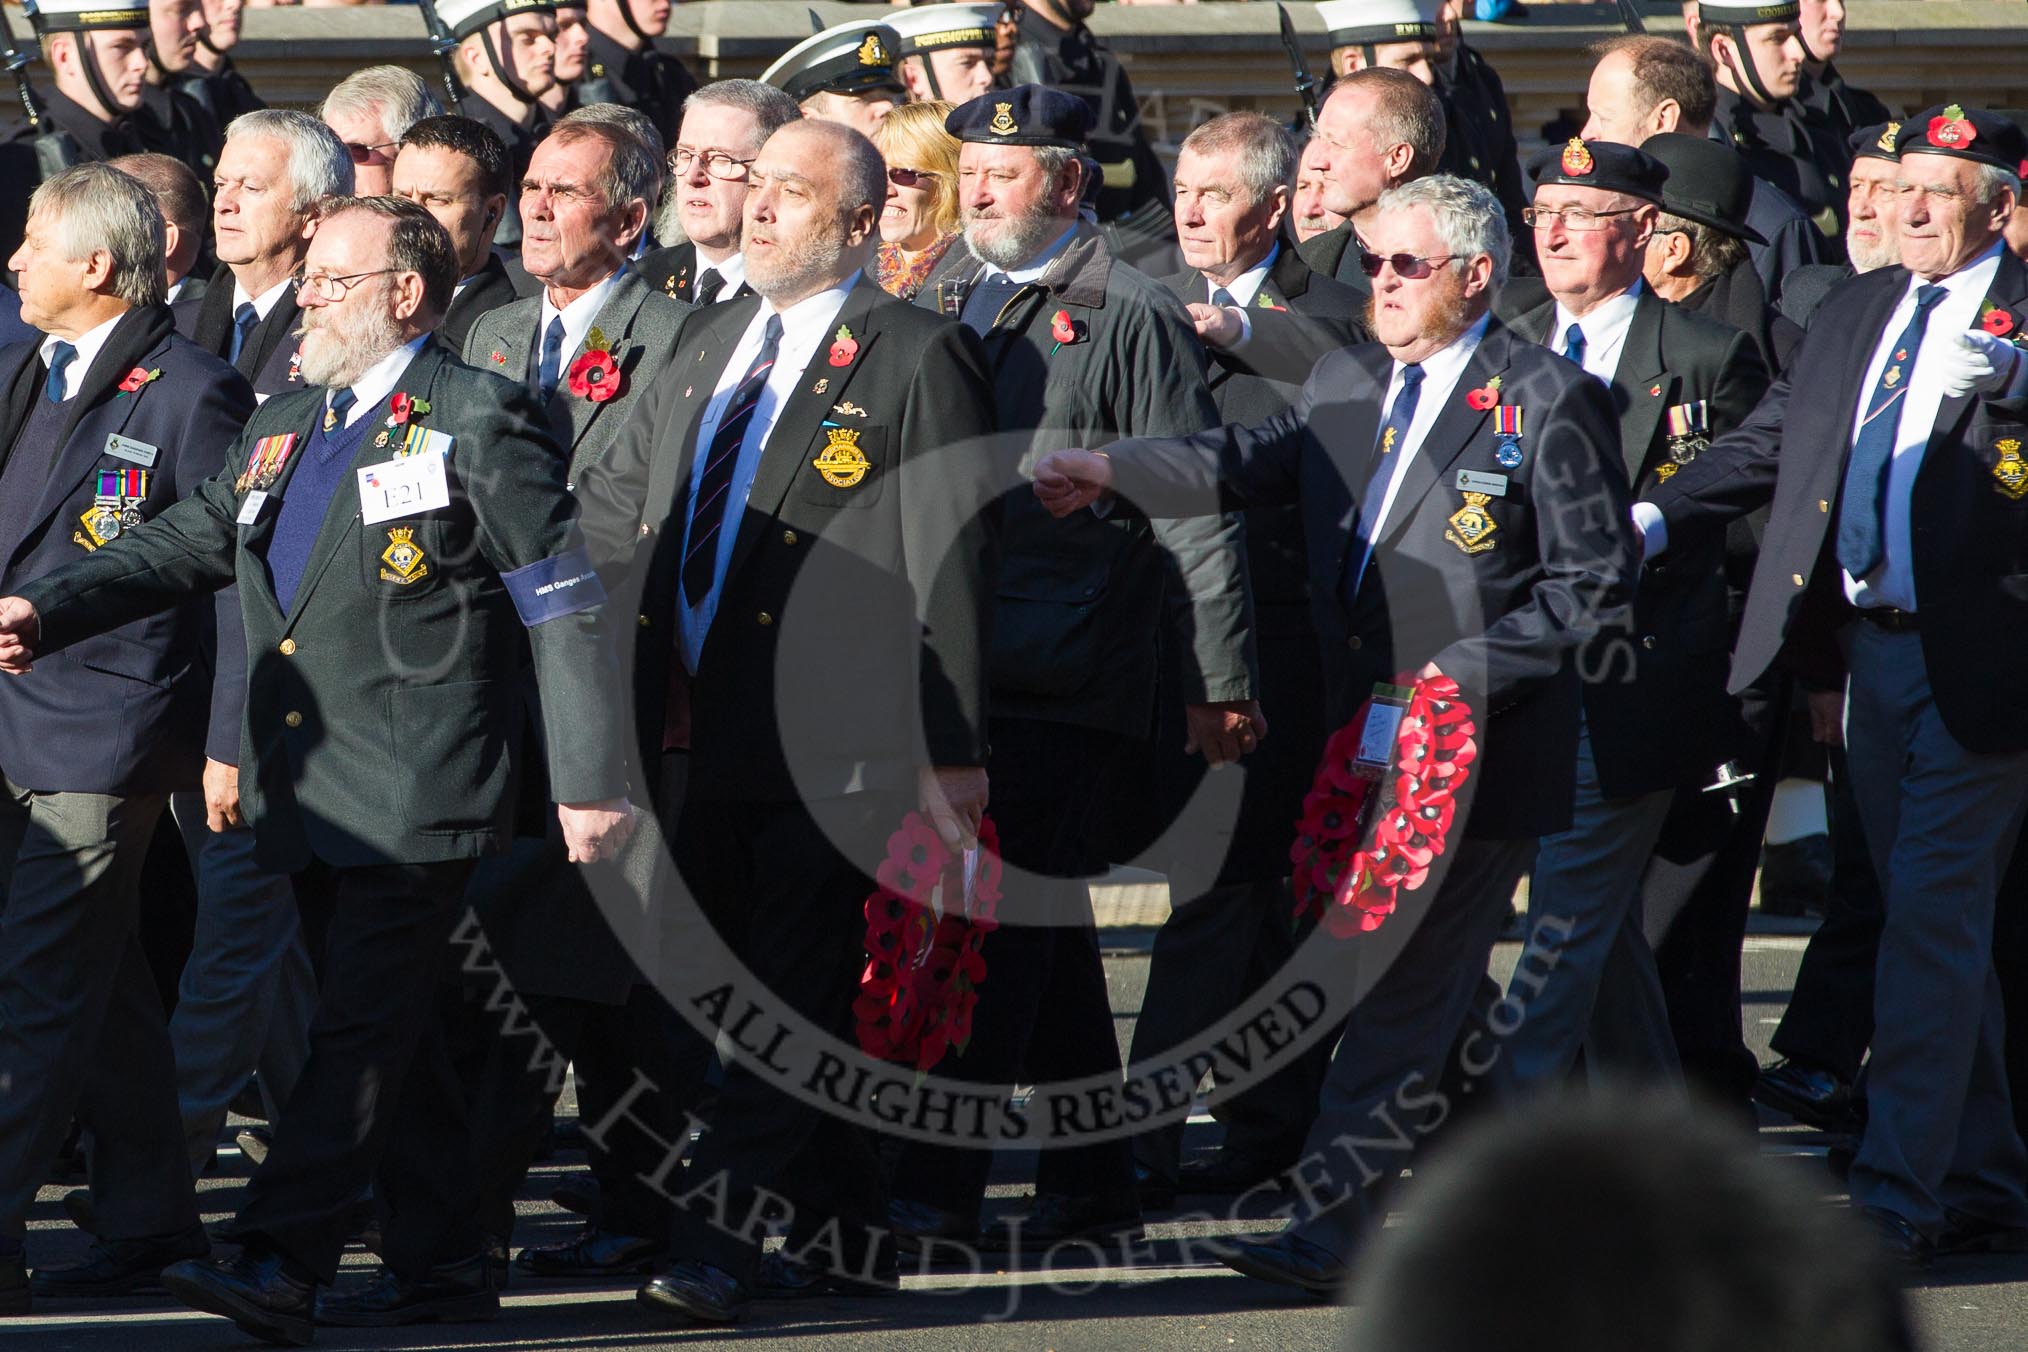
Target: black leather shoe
(1226, 1173)
(454, 1293)
(77, 1204)
(579, 1195)
(785, 1278)
(1966, 1233)
(253, 1289)
(119, 1267)
(1156, 1191)
(14, 1298)
(1106, 1219)
(593, 1254)
(1288, 1260)
(914, 1222)
(697, 1293)
(1902, 1242)
(1815, 1098)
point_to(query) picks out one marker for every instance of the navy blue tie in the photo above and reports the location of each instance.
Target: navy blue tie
(551, 363)
(1573, 345)
(1387, 452)
(60, 358)
(700, 563)
(1862, 503)
(243, 320)
(341, 404)
(1223, 299)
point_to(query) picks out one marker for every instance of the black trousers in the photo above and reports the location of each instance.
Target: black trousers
(380, 1066)
(1043, 1013)
(790, 903)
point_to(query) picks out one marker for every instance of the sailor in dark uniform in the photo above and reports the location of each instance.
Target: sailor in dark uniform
(506, 57)
(946, 51)
(624, 66)
(843, 74)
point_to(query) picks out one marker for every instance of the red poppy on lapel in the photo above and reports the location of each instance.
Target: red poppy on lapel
(844, 347)
(595, 376)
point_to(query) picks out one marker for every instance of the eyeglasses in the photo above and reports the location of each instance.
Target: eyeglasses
(910, 178)
(1573, 218)
(326, 288)
(363, 154)
(1406, 266)
(717, 163)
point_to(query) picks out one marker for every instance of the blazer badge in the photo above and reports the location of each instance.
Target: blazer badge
(1472, 526)
(842, 464)
(403, 557)
(2010, 471)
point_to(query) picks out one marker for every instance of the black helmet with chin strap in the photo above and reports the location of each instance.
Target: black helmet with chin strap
(85, 17)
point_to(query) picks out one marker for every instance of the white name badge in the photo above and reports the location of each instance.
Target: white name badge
(250, 509)
(404, 487)
(1471, 481)
(126, 448)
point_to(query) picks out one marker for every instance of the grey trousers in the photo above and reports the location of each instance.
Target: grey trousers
(1380, 1096)
(1584, 919)
(247, 992)
(1942, 822)
(81, 1028)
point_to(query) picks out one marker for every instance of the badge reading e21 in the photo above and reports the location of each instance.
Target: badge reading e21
(403, 487)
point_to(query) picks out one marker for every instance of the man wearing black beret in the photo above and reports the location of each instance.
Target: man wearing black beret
(1656, 716)
(1892, 569)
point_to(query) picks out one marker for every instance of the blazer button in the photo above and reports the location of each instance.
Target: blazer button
(644, 528)
(642, 620)
(1648, 641)
(788, 537)
(293, 719)
(1823, 504)
(288, 648)
(1796, 578)
(1354, 643)
(764, 619)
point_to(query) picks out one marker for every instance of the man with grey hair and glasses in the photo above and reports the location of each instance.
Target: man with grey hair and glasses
(277, 167)
(1465, 516)
(106, 418)
(724, 126)
(370, 111)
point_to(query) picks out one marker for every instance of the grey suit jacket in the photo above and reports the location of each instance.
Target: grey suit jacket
(642, 327)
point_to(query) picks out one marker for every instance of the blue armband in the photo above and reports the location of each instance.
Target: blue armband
(554, 587)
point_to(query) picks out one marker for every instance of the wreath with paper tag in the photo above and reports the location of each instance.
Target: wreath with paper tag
(926, 923)
(1368, 833)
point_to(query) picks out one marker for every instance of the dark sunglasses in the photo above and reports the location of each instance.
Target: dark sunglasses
(908, 178)
(1406, 266)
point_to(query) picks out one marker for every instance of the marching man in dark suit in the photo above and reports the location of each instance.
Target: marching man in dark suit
(771, 500)
(390, 611)
(1656, 715)
(275, 172)
(1229, 930)
(109, 419)
(724, 126)
(1892, 567)
(1434, 547)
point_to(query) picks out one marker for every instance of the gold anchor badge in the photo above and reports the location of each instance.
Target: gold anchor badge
(1472, 526)
(1003, 120)
(2010, 472)
(872, 52)
(404, 556)
(842, 464)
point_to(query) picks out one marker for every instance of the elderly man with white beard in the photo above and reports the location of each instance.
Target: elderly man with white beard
(390, 610)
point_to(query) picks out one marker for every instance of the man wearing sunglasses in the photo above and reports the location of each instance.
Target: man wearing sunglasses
(277, 168)
(724, 126)
(1465, 513)
(1656, 716)
(371, 110)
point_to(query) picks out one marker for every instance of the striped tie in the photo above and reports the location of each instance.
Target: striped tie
(701, 562)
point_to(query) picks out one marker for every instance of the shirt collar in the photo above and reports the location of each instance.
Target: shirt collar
(1032, 270)
(265, 301)
(1247, 285)
(1442, 368)
(812, 313)
(732, 267)
(1979, 273)
(379, 380)
(1603, 326)
(87, 345)
(578, 315)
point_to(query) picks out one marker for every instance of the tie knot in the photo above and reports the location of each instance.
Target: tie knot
(1928, 295)
(244, 314)
(554, 333)
(61, 355)
(1222, 298)
(771, 334)
(1411, 375)
(342, 401)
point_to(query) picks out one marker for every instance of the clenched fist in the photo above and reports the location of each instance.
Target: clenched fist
(1069, 481)
(20, 629)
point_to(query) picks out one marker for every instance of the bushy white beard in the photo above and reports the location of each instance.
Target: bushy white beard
(1017, 239)
(339, 351)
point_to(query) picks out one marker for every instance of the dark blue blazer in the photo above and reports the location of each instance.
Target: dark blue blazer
(1508, 621)
(124, 712)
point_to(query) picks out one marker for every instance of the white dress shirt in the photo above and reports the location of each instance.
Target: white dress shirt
(87, 345)
(1247, 285)
(1893, 582)
(1440, 374)
(1605, 332)
(265, 301)
(808, 327)
(379, 380)
(577, 321)
(732, 267)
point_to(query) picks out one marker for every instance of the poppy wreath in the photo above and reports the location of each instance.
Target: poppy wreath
(923, 955)
(595, 376)
(1353, 888)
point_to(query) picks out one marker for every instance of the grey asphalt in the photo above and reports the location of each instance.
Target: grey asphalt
(1174, 1296)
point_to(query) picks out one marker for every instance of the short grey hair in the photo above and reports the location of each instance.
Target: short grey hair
(395, 95)
(1056, 161)
(319, 164)
(635, 124)
(1992, 179)
(95, 206)
(770, 108)
(629, 172)
(1469, 219)
(1267, 154)
(1713, 253)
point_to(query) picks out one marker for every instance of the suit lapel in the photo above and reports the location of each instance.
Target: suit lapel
(1533, 325)
(1869, 333)
(802, 415)
(708, 349)
(1640, 371)
(1457, 422)
(137, 340)
(615, 320)
(23, 383)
